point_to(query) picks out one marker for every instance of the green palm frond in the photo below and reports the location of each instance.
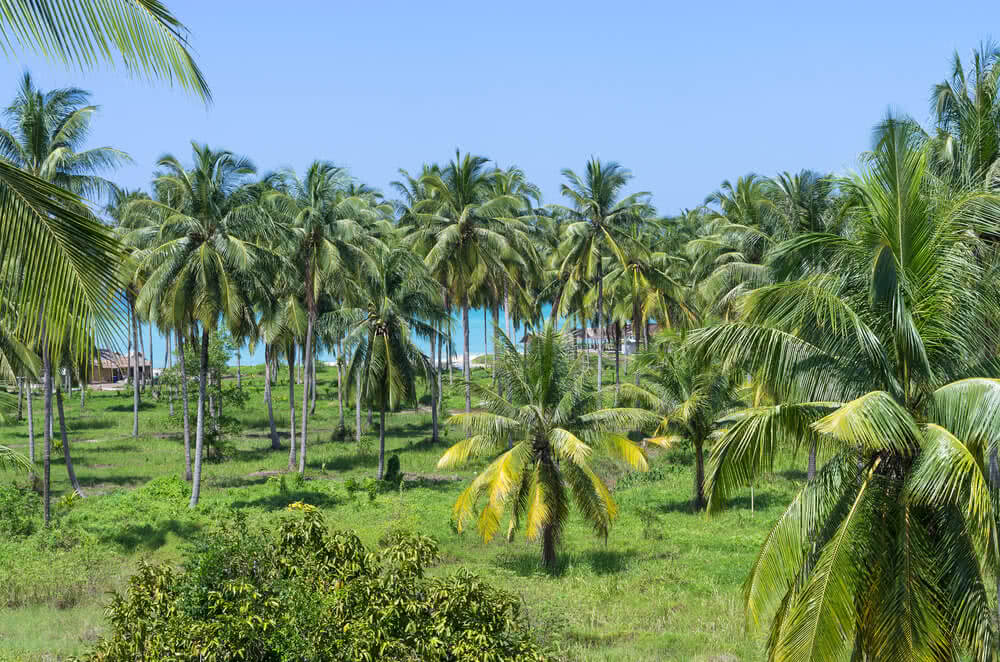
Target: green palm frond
(143, 33)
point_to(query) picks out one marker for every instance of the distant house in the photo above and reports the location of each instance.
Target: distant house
(112, 366)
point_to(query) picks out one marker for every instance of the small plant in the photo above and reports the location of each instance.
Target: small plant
(298, 480)
(67, 502)
(365, 446)
(371, 487)
(392, 473)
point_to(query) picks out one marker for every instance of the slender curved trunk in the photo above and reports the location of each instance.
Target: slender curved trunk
(369, 413)
(136, 373)
(600, 324)
(199, 439)
(47, 432)
(635, 334)
(307, 368)
(618, 373)
(699, 475)
(275, 444)
(357, 408)
(381, 440)
(151, 384)
(140, 351)
(291, 407)
(451, 353)
(811, 471)
(340, 389)
(466, 368)
(185, 407)
(312, 385)
(549, 547)
(65, 442)
(167, 364)
(440, 371)
(434, 395)
(31, 426)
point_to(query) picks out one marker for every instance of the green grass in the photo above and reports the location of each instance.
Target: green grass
(666, 585)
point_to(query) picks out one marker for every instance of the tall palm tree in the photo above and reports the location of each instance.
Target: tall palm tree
(549, 409)
(205, 266)
(600, 217)
(397, 299)
(60, 258)
(466, 233)
(965, 147)
(883, 555)
(329, 233)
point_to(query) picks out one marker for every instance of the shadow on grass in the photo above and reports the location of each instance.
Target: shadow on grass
(144, 405)
(151, 537)
(794, 474)
(279, 501)
(601, 562)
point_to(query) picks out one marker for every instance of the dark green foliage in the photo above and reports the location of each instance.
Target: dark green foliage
(392, 471)
(306, 593)
(19, 512)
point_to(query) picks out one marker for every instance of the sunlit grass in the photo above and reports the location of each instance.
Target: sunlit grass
(665, 585)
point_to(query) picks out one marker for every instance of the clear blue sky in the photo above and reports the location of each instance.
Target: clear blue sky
(684, 94)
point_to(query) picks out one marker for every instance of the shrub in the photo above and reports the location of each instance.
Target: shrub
(303, 592)
(392, 472)
(20, 512)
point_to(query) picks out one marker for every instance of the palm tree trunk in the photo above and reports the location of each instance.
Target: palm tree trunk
(140, 351)
(65, 441)
(370, 413)
(433, 385)
(291, 406)
(239, 371)
(440, 372)
(506, 310)
(466, 368)
(31, 427)
(47, 431)
(486, 340)
(635, 334)
(357, 408)
(699, 475)
(306, 372)
(199, 438)
(184, 406)
(618, 343)
(20, 399)
(83, 394)
(811, 471)
(600, 323)
(451, 353)
(275, 444)
(151, 360)
(136, 372)
(168, 364)
(340, 389)
(312, 385)
(381, 440)
(549, 546)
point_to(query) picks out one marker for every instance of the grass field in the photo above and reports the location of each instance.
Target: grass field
(666, 585)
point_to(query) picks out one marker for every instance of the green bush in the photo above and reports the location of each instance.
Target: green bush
(305, 593)
(20, 512)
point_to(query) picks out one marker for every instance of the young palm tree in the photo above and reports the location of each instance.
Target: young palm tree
(205, 266)
(688, 398)
(549, 409)
(883, 555)
(600, 217)
(397, 298)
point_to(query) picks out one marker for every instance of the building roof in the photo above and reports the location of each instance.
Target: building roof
(112, 360)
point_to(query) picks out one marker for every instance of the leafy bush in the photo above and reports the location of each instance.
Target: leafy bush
(20, 512)
(305, 593)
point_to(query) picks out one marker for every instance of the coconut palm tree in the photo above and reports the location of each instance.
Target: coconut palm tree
(205, 266)
(600, 217)
(689, 398)
(329, 233)
(883, 555)
(466, 233)
(397, 298)
(965, 147)
(549, 409)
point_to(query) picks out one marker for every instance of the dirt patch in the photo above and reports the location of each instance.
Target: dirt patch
(431, 478)
(263, 474)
